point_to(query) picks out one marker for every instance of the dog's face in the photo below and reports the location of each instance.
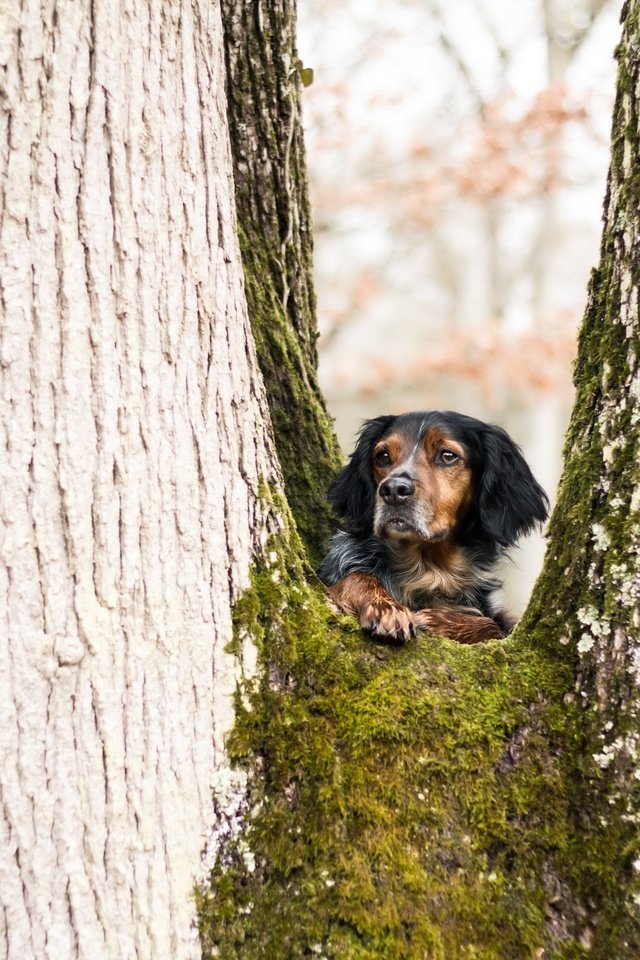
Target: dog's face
(434, 476)
(424, 481)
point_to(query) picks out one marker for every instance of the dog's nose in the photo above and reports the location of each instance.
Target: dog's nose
(396, 490)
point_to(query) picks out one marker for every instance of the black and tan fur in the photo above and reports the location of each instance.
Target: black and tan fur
(430, 501)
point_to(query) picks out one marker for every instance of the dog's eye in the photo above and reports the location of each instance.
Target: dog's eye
(448, 457)
(382, 458)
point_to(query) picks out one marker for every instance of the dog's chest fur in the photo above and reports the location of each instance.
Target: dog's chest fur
(441, 575)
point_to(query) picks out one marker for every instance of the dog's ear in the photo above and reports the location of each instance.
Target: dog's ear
(353, 492)
(510, 501)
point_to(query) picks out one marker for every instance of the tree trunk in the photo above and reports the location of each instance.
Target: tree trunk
(593, 552)
(134, 445)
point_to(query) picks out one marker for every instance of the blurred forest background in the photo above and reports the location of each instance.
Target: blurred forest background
(458, 155)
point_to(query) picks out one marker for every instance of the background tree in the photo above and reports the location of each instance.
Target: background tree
(466, 188)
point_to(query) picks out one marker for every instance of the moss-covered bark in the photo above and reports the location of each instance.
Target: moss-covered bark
(264, 92)
(590, 586)
(588, 597)
(438, 801)
(406, 803)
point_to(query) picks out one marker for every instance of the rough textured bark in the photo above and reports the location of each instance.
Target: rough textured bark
(588, 597)
(134, 441)
(598, 607)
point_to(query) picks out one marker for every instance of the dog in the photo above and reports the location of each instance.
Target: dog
(429, 501)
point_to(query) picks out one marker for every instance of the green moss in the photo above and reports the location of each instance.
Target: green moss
(274, 225)
(602, 447)
(306, 446)
(408, 802)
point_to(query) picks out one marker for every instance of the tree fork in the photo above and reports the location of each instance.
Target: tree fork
(439, 801)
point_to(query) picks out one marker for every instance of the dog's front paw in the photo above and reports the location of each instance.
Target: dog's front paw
(389, 621)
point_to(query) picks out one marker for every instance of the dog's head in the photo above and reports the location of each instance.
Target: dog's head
(437, 475)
